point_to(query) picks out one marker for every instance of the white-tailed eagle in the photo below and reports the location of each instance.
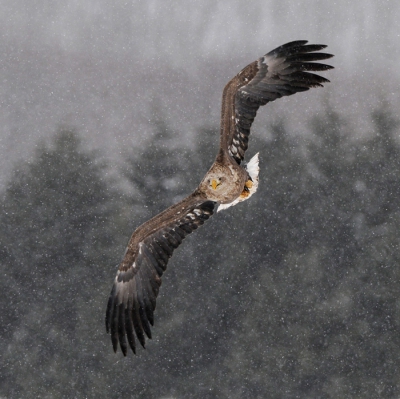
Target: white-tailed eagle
(282, 72)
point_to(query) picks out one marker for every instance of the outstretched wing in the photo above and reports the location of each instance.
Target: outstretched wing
(133, 296)
(281, 72)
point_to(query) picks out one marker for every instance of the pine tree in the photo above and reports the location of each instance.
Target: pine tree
(56, 252)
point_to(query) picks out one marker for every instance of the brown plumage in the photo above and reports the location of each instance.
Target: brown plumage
(281, 72)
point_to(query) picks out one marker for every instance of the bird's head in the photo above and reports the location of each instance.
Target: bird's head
(215, 185)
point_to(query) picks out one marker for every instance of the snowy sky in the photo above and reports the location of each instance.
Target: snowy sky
(107, 67)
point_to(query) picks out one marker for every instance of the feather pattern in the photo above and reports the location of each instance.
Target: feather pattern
(132, 302)
(282, 72)
(133, 296)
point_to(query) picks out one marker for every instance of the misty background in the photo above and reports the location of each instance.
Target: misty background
(110, 113)
(105, 68)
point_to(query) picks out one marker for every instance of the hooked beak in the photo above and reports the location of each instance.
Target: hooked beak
(214, 184)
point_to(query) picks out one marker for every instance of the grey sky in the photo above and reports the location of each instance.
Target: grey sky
(105, 67)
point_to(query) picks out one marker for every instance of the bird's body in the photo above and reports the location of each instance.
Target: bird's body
(132, 301)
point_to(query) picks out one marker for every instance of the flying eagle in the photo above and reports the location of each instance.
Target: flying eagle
(281, 72)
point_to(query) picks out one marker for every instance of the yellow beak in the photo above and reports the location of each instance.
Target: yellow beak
(214, 184)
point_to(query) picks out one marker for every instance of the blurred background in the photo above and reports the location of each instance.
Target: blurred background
(110, 113)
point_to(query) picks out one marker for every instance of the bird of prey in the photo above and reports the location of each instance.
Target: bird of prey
(282, 72)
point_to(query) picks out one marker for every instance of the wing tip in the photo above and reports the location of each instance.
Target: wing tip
(297, 47)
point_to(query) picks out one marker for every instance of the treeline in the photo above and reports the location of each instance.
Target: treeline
(292, 294)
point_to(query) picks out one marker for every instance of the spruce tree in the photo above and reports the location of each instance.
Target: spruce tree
(56, 245)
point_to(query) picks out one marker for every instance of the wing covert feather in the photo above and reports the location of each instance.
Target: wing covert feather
(282, 72)
(132, 301)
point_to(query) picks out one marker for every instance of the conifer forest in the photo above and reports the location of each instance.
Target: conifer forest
(110, 114)
(293, 292)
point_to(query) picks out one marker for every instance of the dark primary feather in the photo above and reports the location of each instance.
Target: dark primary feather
(133, 297)
(282, 72)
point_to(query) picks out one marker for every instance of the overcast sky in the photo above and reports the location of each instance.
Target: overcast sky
(104, 67)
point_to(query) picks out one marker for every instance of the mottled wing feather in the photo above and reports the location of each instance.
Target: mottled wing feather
(282, 72)
(133, 296)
